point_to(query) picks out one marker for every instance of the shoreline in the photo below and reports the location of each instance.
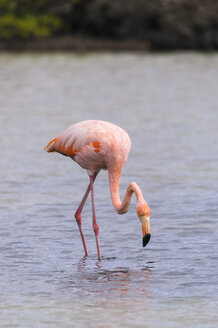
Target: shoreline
(89, 44)
(69, 43)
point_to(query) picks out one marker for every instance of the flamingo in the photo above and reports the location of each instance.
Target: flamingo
(96, 145)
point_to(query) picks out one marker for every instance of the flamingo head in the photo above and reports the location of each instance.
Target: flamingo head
(143, 213)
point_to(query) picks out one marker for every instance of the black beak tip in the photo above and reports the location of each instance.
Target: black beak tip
(146, 239)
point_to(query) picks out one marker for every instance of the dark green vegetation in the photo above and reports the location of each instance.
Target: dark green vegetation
(156, 24)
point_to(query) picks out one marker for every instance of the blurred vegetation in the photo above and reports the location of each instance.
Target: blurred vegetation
(162, 24)
(33, 18)
(159, 24)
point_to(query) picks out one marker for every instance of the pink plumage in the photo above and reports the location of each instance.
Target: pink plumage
(94, 145)
(97, 145)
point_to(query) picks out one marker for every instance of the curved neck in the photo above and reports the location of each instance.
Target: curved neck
(114, 180)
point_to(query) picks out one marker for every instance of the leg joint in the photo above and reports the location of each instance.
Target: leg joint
(96, 228)
(78, 217)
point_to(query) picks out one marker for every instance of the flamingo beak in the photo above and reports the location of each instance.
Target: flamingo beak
(146, 231)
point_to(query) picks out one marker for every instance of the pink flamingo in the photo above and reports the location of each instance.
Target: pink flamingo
(97, 145)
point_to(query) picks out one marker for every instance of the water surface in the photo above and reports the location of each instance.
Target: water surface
(168, 105)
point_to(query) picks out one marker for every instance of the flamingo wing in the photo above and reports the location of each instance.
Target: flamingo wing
(81, 142)
(73, 141)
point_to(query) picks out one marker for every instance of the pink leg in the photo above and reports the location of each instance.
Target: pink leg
(95, 226)
(78, 216)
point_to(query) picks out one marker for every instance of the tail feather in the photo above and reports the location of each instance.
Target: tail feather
(50, 146)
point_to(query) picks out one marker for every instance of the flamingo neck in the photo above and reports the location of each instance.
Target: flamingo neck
(114, 181)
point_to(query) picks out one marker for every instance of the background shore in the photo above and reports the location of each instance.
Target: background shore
(69, 43)
(105, 25)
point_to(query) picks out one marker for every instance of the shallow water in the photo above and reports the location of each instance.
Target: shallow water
(168, 105)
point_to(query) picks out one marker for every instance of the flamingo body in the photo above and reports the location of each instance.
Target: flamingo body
(94, 145)
(97, 145)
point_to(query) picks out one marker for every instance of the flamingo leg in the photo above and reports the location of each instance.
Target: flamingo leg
(78, 213)
(95, 225)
